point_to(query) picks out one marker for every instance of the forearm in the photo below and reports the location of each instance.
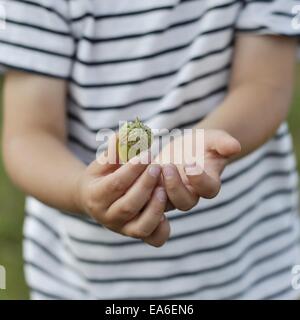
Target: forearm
(41, 165)
(251, 113)
(260, 90)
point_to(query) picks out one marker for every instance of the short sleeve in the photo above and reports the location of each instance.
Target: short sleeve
(267, 17)
(36, 37)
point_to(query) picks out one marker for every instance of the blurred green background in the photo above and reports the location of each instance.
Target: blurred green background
(11, 219)
(11, 213)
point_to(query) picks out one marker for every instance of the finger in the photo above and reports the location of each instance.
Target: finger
(177, 192)
(101, 167)
(223, 143)
(116, 184)
(160, 235)
(129, 205)
(204, 185)
(145, 224)
(169, 207)
(107, 161)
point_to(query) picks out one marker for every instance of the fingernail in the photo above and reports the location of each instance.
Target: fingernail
(168, 171)
(193, 170)
(161, 195)
(162, 218)
(154, 171)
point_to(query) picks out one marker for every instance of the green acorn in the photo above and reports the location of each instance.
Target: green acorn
(134, 138)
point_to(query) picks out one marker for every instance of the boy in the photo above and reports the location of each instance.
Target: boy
(75, 67)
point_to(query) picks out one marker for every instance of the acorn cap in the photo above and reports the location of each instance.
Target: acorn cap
(134, 138)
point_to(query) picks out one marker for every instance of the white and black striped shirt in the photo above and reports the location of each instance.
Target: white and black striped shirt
(168, 62)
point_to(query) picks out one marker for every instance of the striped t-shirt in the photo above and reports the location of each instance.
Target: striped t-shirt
(167, 62)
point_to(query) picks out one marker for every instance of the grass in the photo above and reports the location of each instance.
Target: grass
(12, 214)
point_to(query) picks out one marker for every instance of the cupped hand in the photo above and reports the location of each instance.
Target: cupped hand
(186, 183)
(126, 199)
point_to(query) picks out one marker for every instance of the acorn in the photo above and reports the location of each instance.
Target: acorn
(134, 138)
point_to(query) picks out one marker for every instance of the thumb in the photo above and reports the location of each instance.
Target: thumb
(108, 161)
(223, 143)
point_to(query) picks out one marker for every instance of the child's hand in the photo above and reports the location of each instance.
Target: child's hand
(126, 199)
(186, 184)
